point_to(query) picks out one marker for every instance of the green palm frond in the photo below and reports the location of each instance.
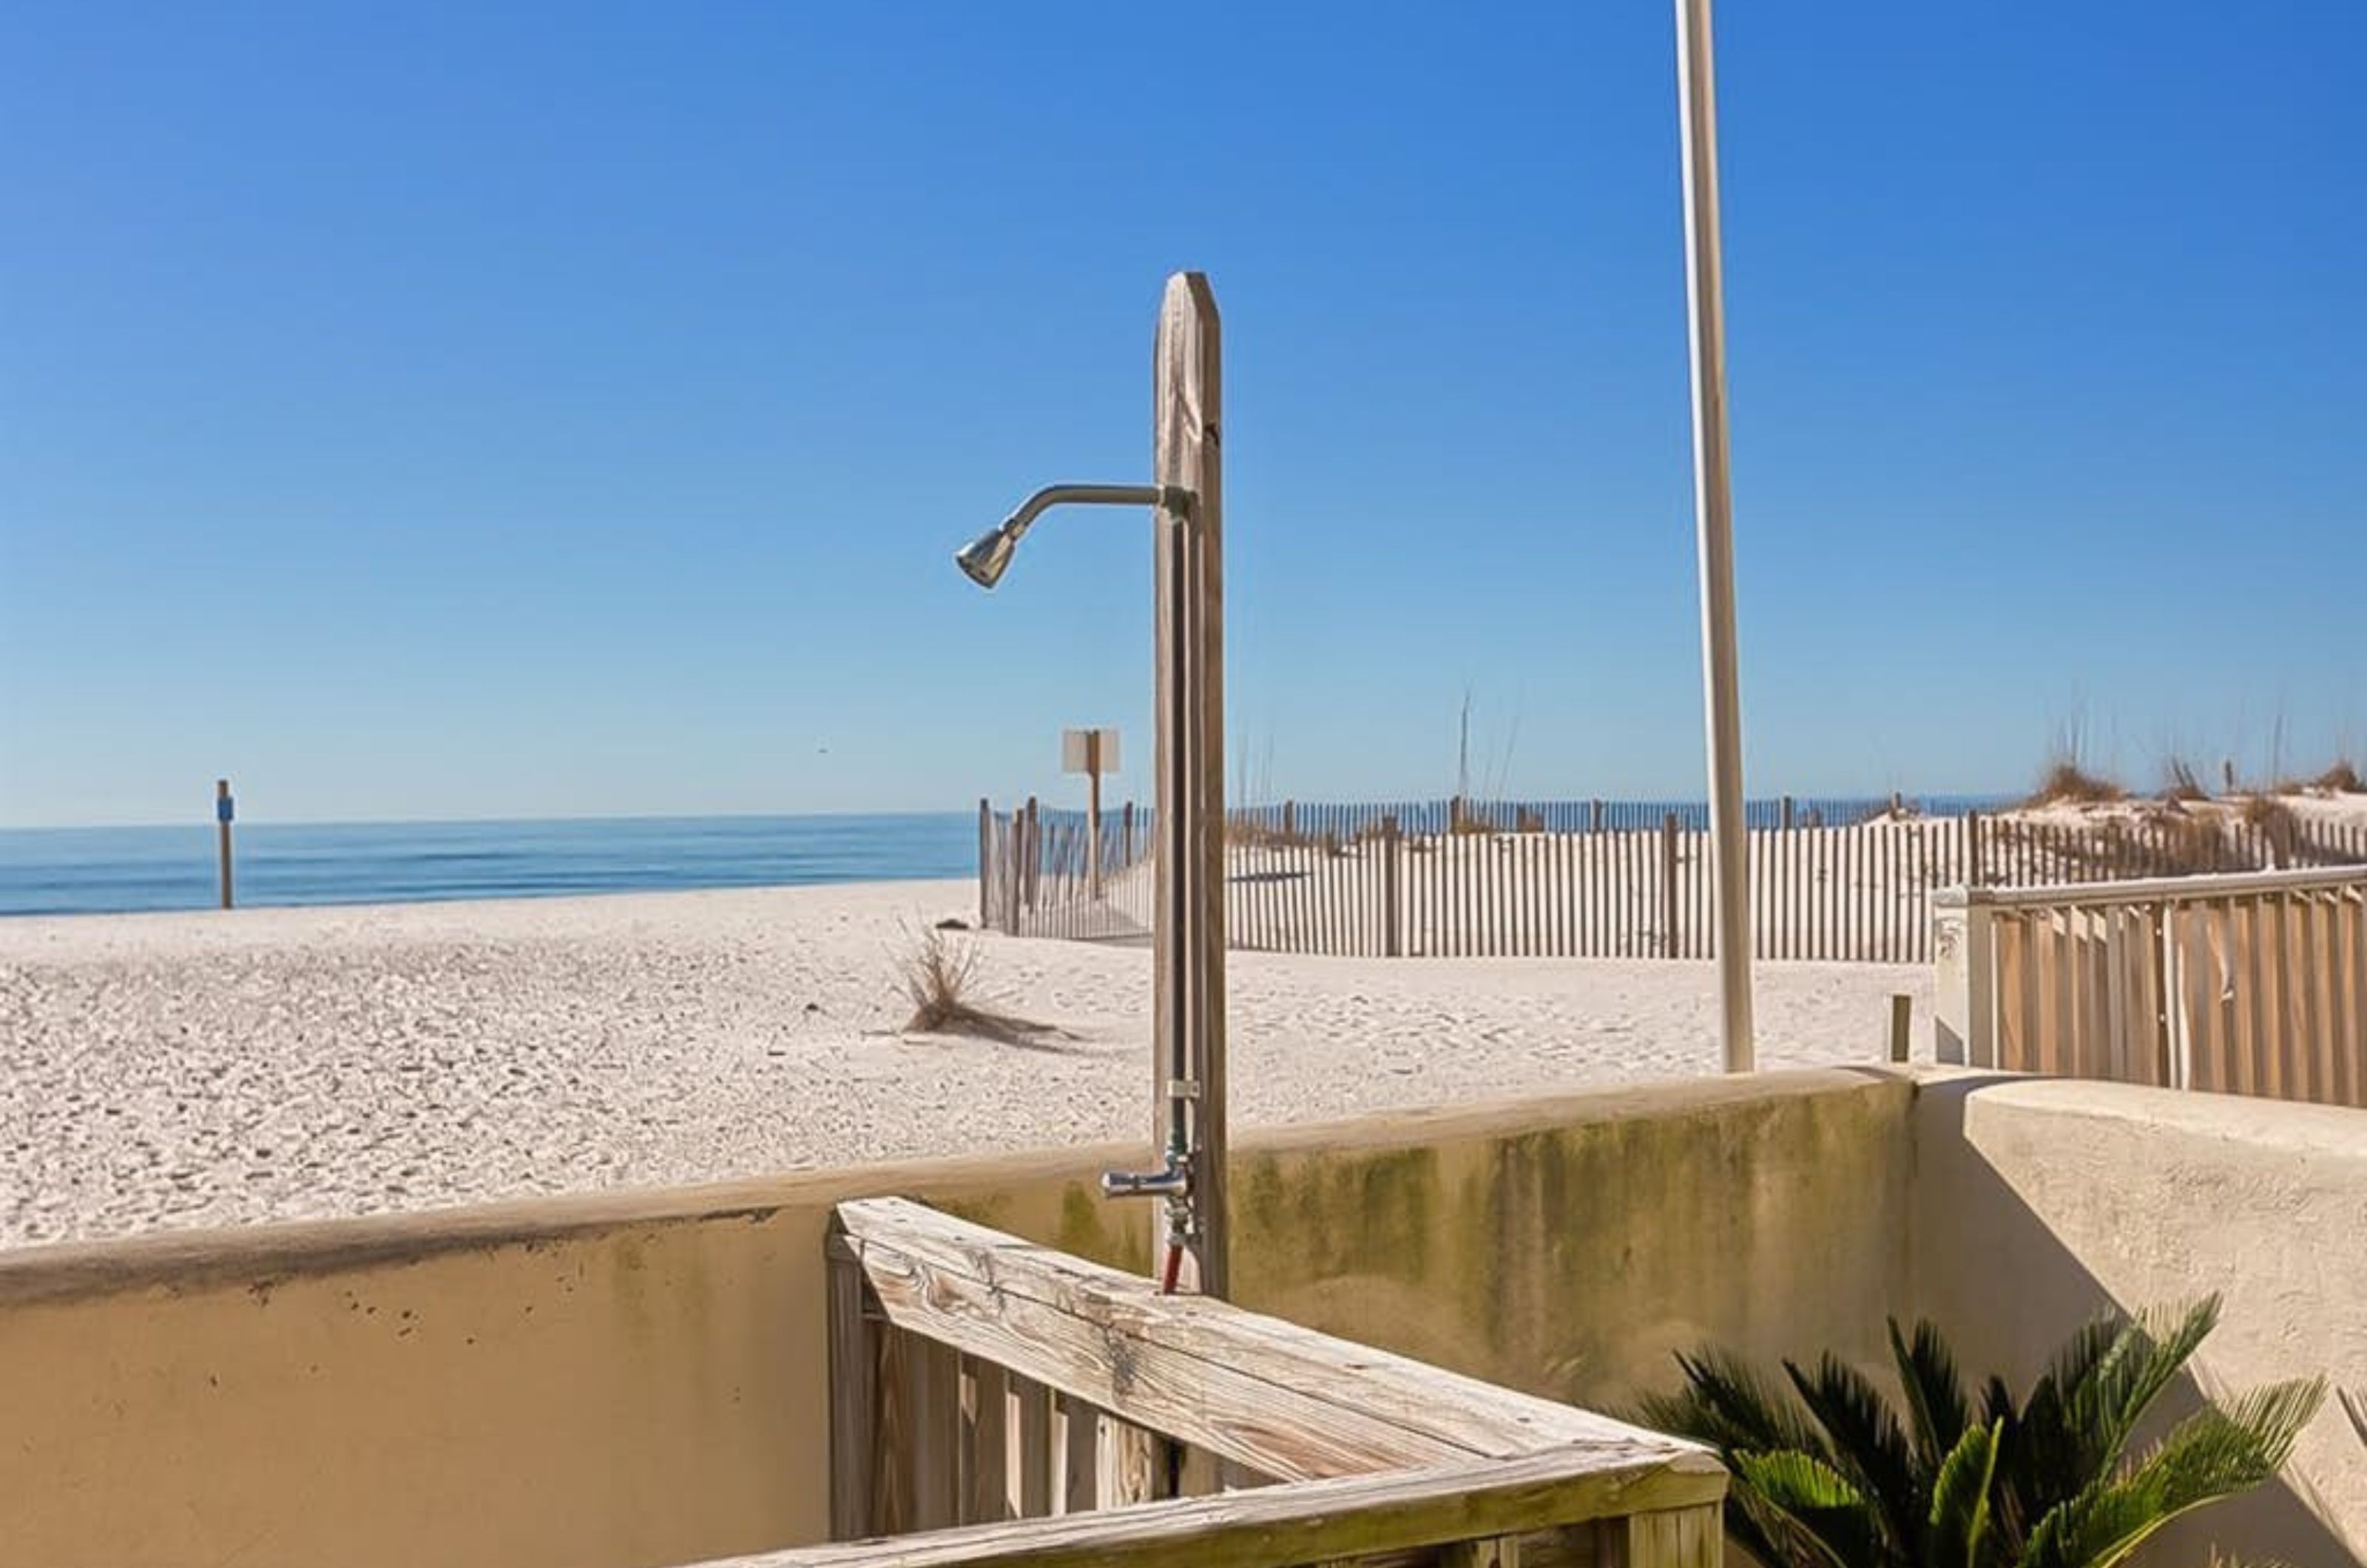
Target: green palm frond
(2355, 1406)
(2149, 1352)
(1798, 1483)
(1821, 1516)
(1935, 1392)
(1728, 1405)
(2218, 1451)
(2088, 1344)
(1959, 1525)
(2081, 1411)
(1771, 1535)
(2241, 1442)
(1838, 1478)
(2049, 1462)
(1868, 1443)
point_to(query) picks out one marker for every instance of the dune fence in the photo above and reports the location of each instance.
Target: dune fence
(2249, 983)
(1841, 880)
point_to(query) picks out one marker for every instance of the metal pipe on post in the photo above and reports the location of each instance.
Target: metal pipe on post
(1714, 508)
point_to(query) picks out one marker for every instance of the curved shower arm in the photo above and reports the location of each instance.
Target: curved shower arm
(985, 557)
(1176, 498)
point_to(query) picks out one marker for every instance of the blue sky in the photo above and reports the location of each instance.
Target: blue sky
(416, 411)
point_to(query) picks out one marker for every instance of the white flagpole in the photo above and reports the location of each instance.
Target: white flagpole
(1713, 507)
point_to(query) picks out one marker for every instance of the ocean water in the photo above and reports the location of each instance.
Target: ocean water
(97, 870)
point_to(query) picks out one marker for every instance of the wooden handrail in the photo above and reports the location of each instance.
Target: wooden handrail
(952, 1345)
(2154, 889)
(1285, 1401)
(1351, 1517)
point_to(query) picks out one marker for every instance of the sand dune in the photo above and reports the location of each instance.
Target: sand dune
(209, 1070)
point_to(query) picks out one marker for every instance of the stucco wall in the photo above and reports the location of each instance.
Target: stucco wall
(641, 1379)
(2039, 1203)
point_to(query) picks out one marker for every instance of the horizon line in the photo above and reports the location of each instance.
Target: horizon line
(207, 819)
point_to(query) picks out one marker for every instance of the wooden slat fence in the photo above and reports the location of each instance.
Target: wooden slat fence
(1831, 880)
(2251, 983)
(1022, 1405)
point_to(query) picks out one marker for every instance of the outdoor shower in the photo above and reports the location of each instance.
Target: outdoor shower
(1188, 1012)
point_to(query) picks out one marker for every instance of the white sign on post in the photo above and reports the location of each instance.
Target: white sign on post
(1089, 750)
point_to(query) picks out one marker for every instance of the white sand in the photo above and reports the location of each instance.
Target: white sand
(207, 1069)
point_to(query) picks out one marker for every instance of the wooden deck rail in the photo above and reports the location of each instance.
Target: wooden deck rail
(1027, 1406)
(2253, 983)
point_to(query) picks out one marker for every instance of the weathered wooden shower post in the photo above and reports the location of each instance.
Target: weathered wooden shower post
(1187, 502)
(1187, 457)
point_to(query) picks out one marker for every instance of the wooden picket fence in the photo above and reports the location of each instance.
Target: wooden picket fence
(1835, 880)
(2252, 983)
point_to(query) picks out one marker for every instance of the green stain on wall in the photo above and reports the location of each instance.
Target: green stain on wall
(1117, 1234)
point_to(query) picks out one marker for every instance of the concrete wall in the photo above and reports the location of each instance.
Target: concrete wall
(641, 1379)
(2039, 1203)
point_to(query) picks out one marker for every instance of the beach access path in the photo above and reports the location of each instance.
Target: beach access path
(217, 1068)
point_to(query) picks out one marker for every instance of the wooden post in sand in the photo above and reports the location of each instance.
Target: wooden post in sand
(1015, 877)
(223, 812)
(985, 864)
(1092, 753)
(1902, 1016)
(1392, 917)
(1031, 854)
(1671, 938)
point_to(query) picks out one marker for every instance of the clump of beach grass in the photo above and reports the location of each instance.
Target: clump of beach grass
(2341, 779)
(2067, 783)
(940, 977)
(2185, 782)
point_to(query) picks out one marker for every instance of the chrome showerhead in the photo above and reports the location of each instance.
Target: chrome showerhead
(985, 559)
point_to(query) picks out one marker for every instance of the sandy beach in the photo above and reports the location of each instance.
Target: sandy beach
(211, 1069)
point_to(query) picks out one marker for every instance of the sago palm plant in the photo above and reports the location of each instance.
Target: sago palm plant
(1838, 1478)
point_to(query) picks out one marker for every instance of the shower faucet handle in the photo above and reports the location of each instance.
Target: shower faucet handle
(1173, 1181)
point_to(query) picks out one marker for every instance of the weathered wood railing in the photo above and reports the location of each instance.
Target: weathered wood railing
(2254, 983)
(1027, 1406)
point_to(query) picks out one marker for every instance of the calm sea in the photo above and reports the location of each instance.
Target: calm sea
(93, 870)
